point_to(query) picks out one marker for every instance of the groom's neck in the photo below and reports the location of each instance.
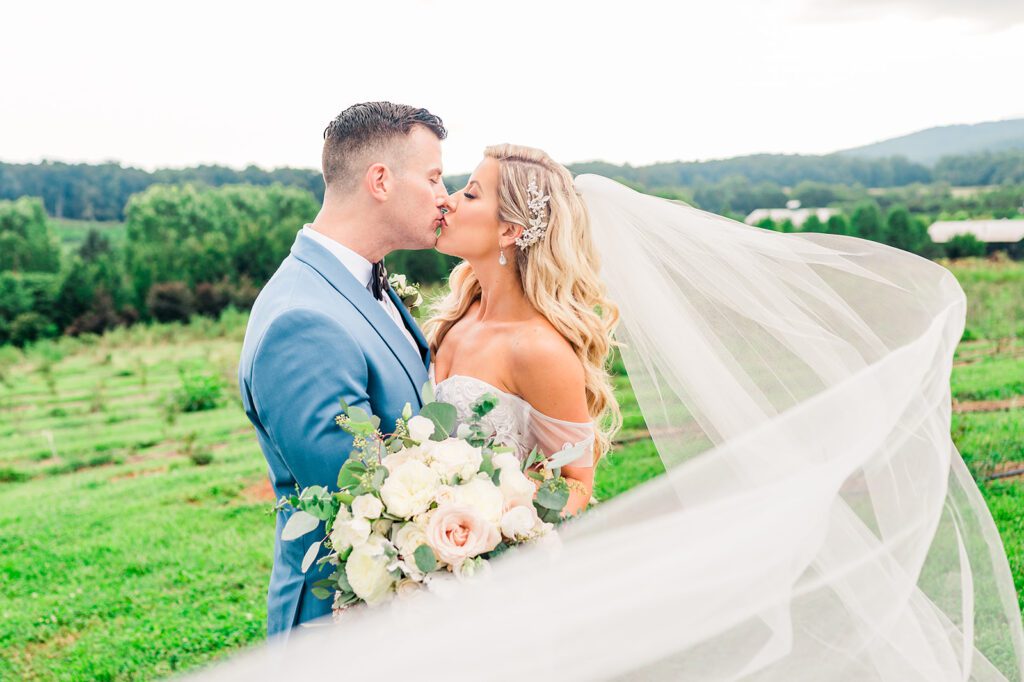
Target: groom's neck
(354, 229)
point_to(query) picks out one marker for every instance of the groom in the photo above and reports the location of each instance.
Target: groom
(328, 327)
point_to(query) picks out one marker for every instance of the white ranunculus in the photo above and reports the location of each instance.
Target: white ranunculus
(480, 494)
(367, 506)
(409, 489)
(520, 522)
(516, 487)
(367, 573)
(349, 531)
(421, 428)
(454, 456)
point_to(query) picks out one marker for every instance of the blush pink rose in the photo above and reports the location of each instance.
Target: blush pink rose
(457, 532)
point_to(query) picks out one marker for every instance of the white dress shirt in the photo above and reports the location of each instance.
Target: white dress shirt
(362, 270)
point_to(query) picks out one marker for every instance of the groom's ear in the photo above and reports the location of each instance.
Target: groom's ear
(379, 181)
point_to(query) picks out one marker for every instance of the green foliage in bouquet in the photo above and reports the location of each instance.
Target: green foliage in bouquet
(364, 474)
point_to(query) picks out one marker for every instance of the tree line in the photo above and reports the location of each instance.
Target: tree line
(188, 249)
(101, 191)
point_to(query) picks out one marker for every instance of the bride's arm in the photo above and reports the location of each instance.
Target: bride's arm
(550, 377)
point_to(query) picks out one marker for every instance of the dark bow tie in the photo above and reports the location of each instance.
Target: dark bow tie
(378, 280)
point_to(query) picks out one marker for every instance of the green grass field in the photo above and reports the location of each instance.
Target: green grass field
(71, 233)
(122, 557)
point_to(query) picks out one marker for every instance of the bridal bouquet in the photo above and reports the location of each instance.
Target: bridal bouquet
(418, 507)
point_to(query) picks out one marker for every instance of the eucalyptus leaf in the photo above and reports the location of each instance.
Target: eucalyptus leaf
(350, 473)
(444, 417)
(342, 581)
(425, 559)
(563, 457)
(311, 553)
(552, 498)
(358, 415)
(321, 593)
(427, 393)
(298, 525)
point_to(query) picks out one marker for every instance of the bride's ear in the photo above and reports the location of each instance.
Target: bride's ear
(508, 234)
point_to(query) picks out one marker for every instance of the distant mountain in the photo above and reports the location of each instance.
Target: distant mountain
(929, 145)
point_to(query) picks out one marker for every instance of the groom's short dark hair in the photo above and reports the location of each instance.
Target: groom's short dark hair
(364, 127)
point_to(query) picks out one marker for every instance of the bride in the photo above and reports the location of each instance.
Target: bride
(815, 520)
(526, 316)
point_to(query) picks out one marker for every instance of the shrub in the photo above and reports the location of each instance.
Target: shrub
(964, 246)
(170, 302)
(212, 298)
(29, 327)
(199, 391)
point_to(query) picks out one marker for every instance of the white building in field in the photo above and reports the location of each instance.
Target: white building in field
(1002, 231)
(798, 216)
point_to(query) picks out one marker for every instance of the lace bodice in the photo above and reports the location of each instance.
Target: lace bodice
(514, 421)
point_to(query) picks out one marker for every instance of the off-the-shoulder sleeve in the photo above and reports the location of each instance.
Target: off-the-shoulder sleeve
(552, 435)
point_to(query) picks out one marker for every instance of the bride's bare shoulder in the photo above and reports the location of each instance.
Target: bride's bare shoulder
(546, 371)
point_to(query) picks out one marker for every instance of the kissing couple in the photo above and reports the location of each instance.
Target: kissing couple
(814, 520)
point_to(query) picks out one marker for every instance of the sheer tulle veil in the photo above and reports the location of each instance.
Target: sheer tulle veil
(815, 520)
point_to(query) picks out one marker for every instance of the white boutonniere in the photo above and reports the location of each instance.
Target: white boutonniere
(409, 293)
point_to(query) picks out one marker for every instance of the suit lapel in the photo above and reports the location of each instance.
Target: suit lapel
(414, 329)
(339, 277)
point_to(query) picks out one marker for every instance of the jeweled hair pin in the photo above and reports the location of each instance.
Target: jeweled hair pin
(538, 215)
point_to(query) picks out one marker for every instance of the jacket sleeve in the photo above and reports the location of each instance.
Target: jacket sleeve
(303, 365)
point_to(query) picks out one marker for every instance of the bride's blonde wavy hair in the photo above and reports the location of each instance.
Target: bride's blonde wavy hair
(559, 273)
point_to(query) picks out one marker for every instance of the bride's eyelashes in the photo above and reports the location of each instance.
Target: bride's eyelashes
(468, 195)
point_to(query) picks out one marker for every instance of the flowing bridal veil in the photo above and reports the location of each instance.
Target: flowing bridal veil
(815, 521)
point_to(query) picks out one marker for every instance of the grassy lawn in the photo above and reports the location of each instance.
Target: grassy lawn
(123, 557)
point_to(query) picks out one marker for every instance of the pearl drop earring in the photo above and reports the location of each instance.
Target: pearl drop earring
(501, 256)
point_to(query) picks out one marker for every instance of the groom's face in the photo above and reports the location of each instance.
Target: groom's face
(419, 192)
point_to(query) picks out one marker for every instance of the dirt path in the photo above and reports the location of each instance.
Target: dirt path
(1013, 403)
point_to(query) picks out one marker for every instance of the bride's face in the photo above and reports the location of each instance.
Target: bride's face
(471, 227)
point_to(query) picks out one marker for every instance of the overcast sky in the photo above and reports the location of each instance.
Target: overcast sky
(183, 83)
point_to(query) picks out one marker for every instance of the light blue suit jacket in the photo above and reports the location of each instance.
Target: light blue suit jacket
(315, 336)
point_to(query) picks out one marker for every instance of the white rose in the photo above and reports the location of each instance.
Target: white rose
(445, 495)
(367, 573)
(421, 428)
(408, 538)
(409, 489)
(407, 588)
(481, 495)
(516, 487)
(348, 531)
(454, 456)
(396, 459)
(367, 506)
(519, 522)
(506, 460)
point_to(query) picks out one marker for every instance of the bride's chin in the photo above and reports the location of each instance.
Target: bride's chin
(442, 245)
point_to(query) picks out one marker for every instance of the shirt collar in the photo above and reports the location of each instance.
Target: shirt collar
(360, 268)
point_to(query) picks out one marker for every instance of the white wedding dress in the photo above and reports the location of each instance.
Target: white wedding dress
(514, 421)
(815, 521)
